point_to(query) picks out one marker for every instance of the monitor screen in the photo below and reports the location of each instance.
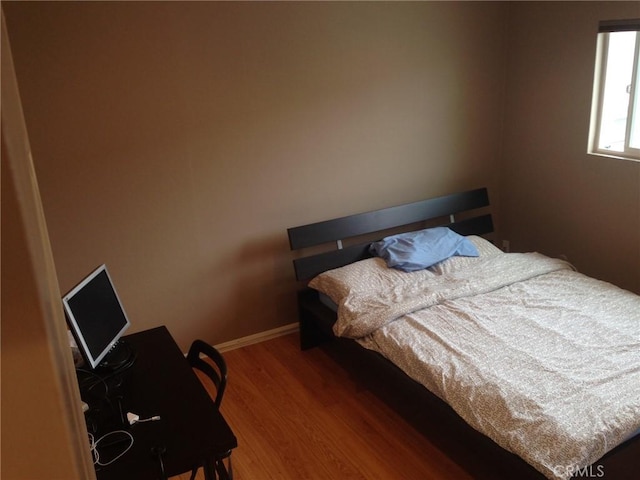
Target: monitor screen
(95, 315)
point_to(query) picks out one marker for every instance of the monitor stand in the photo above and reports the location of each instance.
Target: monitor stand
(120, 356)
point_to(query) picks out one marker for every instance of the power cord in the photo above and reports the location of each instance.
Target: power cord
(86, 385)
(158, 451)
(94, 444)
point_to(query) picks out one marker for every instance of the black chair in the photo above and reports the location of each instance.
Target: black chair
(198, 357)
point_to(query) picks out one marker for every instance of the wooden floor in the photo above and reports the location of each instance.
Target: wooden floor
(298, 415)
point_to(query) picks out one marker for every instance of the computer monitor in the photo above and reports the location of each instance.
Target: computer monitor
(96, 318)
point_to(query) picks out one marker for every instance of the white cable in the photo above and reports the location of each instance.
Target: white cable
(132, 418)
(93, 445)
(150, 419)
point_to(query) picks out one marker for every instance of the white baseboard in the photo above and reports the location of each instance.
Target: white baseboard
(257, 337)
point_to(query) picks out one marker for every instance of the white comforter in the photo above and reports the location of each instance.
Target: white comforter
(543, 360)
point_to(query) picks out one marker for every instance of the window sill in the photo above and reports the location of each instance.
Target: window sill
(615, 156)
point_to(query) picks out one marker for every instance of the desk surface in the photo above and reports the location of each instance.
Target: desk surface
(191, 428)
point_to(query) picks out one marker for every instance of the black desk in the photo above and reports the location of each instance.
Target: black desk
(191, 428)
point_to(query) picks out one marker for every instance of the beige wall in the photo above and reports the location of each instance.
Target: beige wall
(177, 141)
(555, 197)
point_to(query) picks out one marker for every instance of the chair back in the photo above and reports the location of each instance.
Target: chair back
(217, 372)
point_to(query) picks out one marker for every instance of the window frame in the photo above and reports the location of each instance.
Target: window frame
(599, 82)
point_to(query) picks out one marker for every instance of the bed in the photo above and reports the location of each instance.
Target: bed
(515, 364)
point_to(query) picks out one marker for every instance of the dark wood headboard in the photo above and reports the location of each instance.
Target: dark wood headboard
(343, 228)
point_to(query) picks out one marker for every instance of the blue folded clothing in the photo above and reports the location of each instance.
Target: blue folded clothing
(423, 248)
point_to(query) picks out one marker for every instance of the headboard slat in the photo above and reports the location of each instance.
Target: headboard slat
(353, 225)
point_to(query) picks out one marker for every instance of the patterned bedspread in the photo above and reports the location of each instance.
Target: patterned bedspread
(540, 358)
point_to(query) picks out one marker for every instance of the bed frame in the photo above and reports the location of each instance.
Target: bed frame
(473, 451)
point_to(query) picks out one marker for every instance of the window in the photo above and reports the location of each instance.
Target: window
(615, 112)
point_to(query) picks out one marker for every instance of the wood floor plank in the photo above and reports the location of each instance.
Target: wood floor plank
(298, 415)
